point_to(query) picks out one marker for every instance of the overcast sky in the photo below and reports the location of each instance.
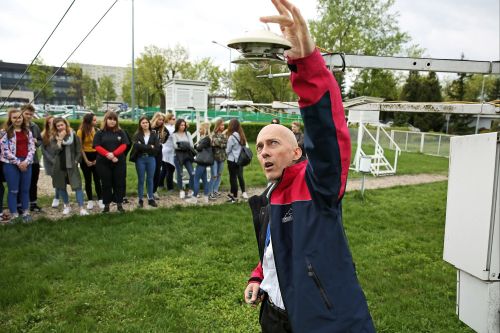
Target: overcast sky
(445, 28)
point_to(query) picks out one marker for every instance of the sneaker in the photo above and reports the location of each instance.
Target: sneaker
(125, 200)
(83, 212)
(140, 204)
(101, 204)
(66, 210)
(119, 207)
(105, 209)
(27, 218)
(192, 200)
(35, 208)
(152, 203)
(190, 193)
(217, 194)
(55, 203)
(90, 205)
(5, 218)
(182, 194)
(15, 219)
(212, 197)
(244, 195)
(231, 199)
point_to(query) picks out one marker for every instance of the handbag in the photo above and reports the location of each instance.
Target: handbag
(246, 155)
(205, 157)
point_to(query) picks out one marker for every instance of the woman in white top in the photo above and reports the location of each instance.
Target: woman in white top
(184, 156)
(168, 154)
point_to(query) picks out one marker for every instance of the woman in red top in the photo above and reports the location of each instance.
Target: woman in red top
(18, 149)
(110, 144)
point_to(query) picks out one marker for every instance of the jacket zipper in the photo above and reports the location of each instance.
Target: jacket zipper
(312, 274)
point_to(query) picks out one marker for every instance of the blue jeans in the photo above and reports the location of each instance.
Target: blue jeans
(145, 165)
(200, 173)
(17, 181)
(63, 194)
(178, 171)
(216, 171)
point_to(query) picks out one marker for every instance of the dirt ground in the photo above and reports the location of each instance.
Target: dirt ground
(172, 198)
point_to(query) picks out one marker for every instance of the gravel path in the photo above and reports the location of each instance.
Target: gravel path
(172, 198)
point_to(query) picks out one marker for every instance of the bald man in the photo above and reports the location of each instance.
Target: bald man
(305, 278)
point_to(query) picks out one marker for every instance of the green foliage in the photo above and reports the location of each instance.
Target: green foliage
(39, 75)
(205, 70)
(184, 269)
(83, 87)
(247, 86)
(375, 82)
(105, 89)
(421, 89)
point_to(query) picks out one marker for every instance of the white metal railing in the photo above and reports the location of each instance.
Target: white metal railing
(379, 162)
(436, 144)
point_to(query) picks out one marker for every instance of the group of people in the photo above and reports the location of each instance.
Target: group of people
(159, 148)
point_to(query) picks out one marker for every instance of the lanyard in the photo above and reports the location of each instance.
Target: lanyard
(268, 235)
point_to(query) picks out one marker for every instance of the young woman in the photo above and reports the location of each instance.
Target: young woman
(236, 139)
(86, 133)
(18, 149)
(110, 143)
(158, 127)
(219, 143)
(298, 135)
(68, 152)
(146, 148)
(49, 154)
(183, 145)
(200, 173)
(168, 153)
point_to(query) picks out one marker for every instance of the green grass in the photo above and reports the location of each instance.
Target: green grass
(184, 269)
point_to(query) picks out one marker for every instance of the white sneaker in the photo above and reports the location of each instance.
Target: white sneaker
(83, 212)
(192, 200)
(55, 203)
(244, 195)
(190, 193)
(66, 210)
(205, 198)
(90, 205)
(182, 194)
(101, 204)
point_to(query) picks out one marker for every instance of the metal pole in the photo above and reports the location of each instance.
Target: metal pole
(133, 66)
(0, 87)
(482, 103)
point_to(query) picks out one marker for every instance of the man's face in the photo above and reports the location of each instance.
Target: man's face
(276, 149)
(27, 116)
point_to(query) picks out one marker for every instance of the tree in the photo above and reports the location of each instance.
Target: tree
(360, 27)
(204, 70)
(91, 98)
(76, 82)
(39, 74)
(494, 90)
(247, 86)
(106, 90)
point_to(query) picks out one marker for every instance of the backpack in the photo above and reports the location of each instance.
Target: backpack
(245, 155)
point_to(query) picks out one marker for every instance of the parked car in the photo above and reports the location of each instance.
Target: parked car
(76, 114)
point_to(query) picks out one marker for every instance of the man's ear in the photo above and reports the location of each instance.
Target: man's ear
(297, 153)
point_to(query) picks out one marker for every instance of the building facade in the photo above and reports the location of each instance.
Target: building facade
(10, 73)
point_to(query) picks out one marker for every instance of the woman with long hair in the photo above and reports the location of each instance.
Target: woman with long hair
(68, 152)
(110, 143)
(49, 154)
(200, 173)
(236, 139)
(219, 143)
(168, 154)
(18, 150)
(183, 145)
(146, 148)
(158, 127)
(86, 133)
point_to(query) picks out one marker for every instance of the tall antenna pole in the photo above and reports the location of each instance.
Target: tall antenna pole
(133, 66)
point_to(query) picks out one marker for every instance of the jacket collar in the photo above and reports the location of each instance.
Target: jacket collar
(290, 173)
